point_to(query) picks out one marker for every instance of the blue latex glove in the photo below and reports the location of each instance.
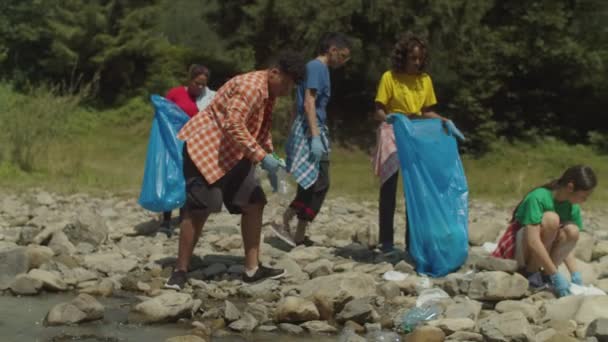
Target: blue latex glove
(577, 278)
(270, 164)
(316, 148)
(391, 118)
(274, 181)
(453, 130)
(560, 284)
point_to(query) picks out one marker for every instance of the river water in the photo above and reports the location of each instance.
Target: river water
(21, 320)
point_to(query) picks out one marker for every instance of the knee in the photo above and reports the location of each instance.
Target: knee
(571, 233)
(550, 221)
(253, 208)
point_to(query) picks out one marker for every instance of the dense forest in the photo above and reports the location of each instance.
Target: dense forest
(515, 69)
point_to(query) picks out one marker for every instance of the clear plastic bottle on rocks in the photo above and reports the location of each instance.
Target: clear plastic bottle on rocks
(418, 315)
(382, 336)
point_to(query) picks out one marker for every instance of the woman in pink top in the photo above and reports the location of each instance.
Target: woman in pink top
(192, 98)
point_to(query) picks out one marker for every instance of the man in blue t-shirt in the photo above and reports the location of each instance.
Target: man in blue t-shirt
(308, 143)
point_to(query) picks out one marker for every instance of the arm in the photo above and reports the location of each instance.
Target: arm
(380, 113)
(537, 248)
(238, 111)
(430, 114)
(311, 112)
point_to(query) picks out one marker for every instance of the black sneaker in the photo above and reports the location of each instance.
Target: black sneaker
(263, 273)
(306, 242)
(166, 228)
(177, 281)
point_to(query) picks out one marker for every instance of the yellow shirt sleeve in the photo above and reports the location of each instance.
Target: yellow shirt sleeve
(429, 98)
(385, 89)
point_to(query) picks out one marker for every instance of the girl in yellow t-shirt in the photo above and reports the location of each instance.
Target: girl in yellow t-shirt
(405, 89)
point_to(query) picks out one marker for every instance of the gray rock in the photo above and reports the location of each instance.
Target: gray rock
(259, 311)
(485, 229)
(464, 309)
(60, 244)
(110, 263)
(82, 308)
(296, 310)
(167, 307)
(600, 250)
(319, 327)
(291, 328)
(348, 335)
(358, 310)
(529, 310)
(50, 280)
(584, 247)
(294, 271)
(44, 198)
(490, 263)
(389, 290)
(404, 267)
(510, 326)
(49, 230)
(267, 328)
(26, 285)
(497, 286)
(38, 255)
(246, 324)
(186, 338)
(266, 290)
(64, 313)
(231, 313)
(337, 289)
(12, 263)
(90, 306)
(89, 227)
(452, 325)
(319, 268)
(465, 336)
(598, 329)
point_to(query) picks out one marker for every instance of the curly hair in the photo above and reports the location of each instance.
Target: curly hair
(291, 63)
(196, 70)
(403, 48)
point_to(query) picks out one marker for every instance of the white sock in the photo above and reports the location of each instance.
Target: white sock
(250, 273)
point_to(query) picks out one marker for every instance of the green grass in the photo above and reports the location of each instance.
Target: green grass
(105, 152)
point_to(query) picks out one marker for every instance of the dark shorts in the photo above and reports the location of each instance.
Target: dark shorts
(239, 187)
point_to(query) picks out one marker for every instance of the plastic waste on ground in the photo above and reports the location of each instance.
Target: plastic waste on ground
(163, 185)
(436, 193)
(429, 296)
(394, 276)
(588, 290)
(419, 315)
(489, 246)
(382, 336)
(423, 284)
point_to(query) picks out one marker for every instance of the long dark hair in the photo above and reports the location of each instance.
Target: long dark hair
(582, 178)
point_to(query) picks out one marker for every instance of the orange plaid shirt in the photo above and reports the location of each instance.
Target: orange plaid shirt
(235, 125)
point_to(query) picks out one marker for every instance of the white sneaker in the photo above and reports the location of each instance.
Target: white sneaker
(282, 233)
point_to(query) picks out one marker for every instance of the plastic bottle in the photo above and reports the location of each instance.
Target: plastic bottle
(282, 185)
(417, 315)
(382, 336)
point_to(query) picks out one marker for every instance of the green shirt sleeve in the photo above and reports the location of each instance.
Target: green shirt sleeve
(576, 216)
(530, 211)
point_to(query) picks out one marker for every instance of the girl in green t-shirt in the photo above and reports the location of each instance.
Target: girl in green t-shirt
(545, 228)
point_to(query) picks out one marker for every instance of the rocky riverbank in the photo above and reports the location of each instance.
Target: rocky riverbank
(105, 246)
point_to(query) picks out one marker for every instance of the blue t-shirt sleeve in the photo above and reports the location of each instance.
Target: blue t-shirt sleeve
(315, 76)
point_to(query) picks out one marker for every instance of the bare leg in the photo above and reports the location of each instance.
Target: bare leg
(300, 231)
(549, 230)
(189, 232)
(251, 229)
(287, 217)
(564, 245)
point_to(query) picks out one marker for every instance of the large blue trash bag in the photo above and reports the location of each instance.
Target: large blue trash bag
(436, 193)
(163, 186)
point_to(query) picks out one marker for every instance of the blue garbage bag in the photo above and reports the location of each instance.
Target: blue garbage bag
(436, 194)
(163, 186)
